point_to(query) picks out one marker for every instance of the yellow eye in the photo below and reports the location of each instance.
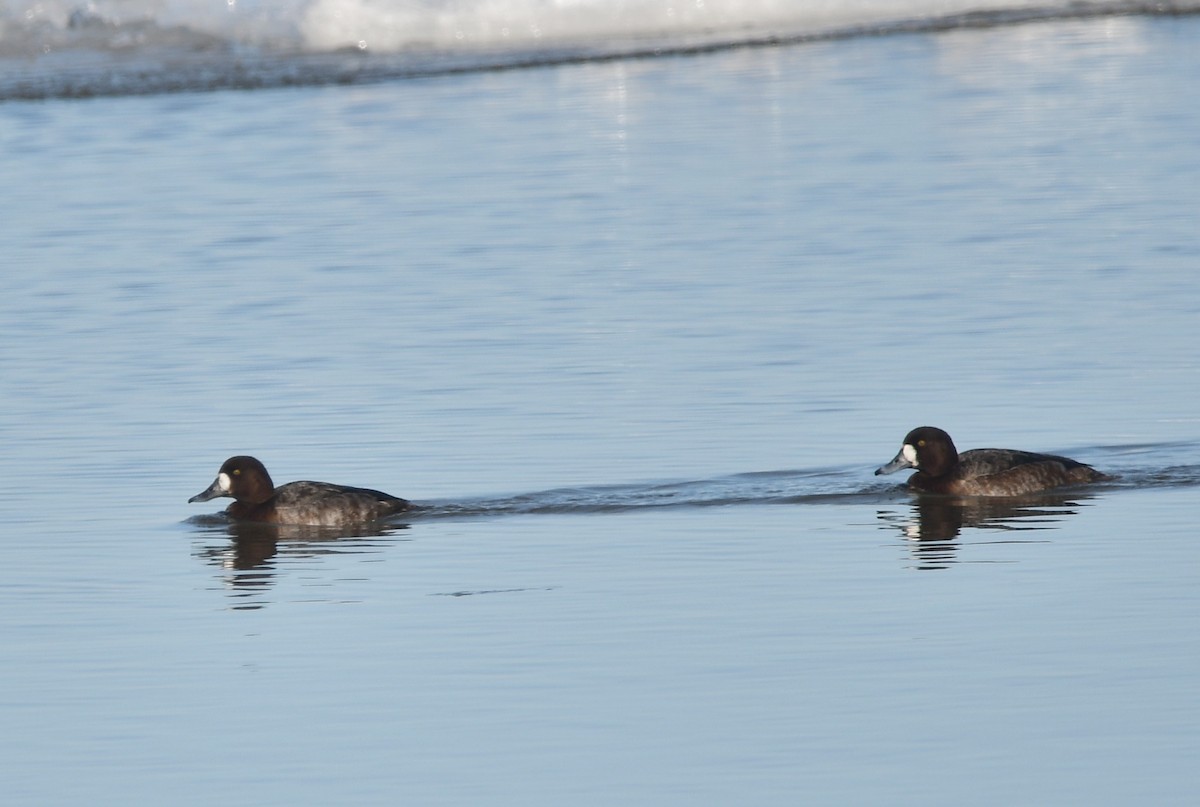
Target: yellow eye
(921, 443)
(237, 471)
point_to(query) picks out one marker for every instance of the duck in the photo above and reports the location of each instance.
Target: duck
(982, 471)
(317, 504)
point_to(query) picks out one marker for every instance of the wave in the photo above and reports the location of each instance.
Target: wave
(934, 527)
(1160, 465)
(831, 486)
(66, 49)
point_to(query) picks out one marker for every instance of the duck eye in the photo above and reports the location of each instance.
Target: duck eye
(237, 471)
(921, 443)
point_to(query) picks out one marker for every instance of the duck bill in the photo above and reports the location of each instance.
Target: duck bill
(899, 463)
(214, 490)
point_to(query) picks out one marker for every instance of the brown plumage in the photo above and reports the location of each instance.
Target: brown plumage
(982, 471)
(318, 504)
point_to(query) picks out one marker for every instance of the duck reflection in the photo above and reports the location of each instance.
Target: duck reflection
(934, 524)
(249, 554)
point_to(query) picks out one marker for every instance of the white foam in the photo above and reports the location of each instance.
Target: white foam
(380, 25)
(384, 25)
(397, 25)
(67, 48)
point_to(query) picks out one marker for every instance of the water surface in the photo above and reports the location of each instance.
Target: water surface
(635, 333)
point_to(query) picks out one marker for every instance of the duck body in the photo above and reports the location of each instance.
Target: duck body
(983, 471)
(317, 504)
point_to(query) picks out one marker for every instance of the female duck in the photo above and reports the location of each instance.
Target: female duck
(982, 471)
(317, 504)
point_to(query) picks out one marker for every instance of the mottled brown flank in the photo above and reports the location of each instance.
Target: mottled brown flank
(1003, 472)
(320, 504)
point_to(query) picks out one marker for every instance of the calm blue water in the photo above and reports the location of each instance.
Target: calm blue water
(637, 332)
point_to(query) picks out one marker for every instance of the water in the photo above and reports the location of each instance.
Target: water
(54, 48)
(635, 333)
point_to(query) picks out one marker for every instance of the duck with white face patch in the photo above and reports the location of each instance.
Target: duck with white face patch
(318, 504)
(982, 471)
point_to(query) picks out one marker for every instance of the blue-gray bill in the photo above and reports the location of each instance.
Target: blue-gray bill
(899, 463)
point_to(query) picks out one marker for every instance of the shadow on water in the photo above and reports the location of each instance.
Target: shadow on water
(249, 555)
(933, 525)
